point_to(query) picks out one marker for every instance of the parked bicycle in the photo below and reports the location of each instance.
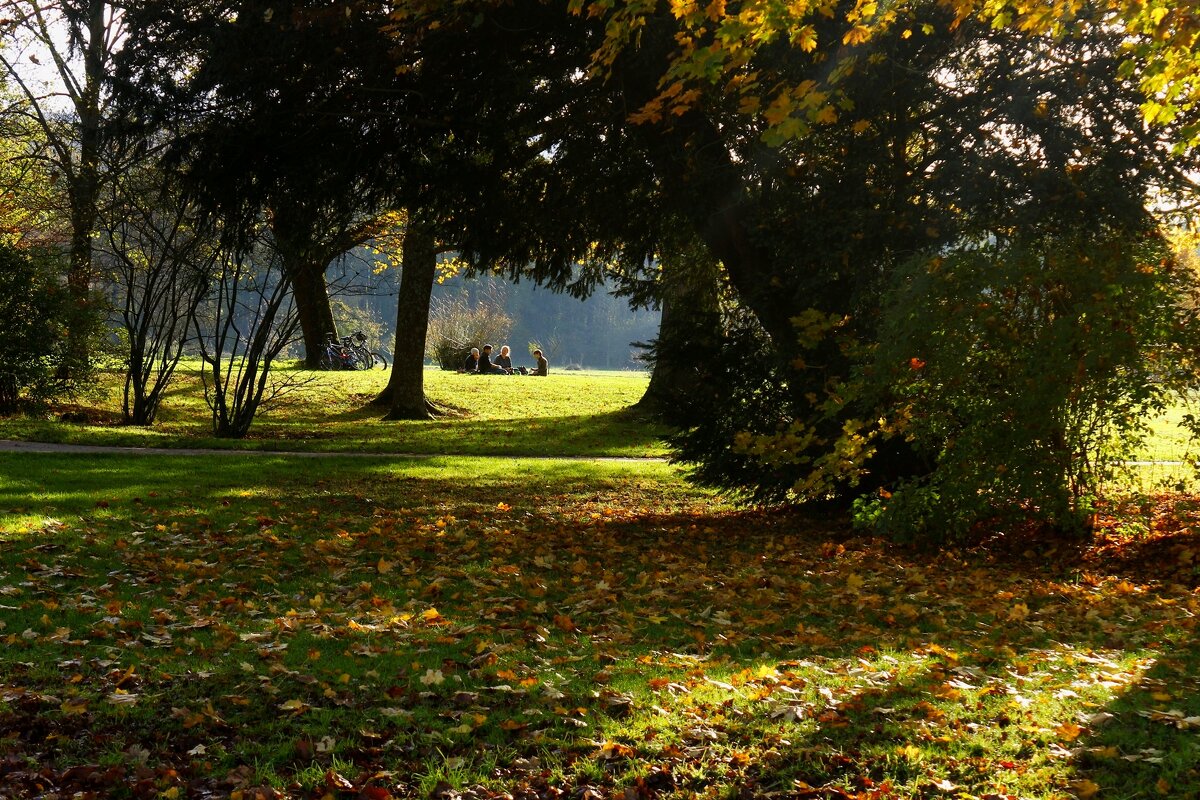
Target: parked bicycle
(350, 353)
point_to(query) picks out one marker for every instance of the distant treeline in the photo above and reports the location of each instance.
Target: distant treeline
(597, 333)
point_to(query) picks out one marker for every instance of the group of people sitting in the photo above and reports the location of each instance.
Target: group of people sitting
(481, 363)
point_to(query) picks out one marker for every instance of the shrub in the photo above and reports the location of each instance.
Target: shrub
(1025, 372)
(34, 314)
(456, 325)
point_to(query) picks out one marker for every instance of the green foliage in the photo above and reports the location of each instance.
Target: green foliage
(1025, 372)
(740, 395)
(34, 314)
(352, 318)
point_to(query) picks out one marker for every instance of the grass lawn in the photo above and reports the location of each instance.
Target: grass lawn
(459, 626)
(565, 413)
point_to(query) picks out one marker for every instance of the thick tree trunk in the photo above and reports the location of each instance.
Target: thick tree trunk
(708, 186)
(313, 308)
(404, 395)
(689, 327)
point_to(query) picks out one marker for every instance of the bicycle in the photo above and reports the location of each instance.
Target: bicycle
(350, 353)
(365, 357)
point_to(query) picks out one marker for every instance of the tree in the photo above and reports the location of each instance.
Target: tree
(247, 321)
(33, 314)
(93, 32)
(161, 256)
(404, 395)
(816, 159)
(689, 332)
(452, 115)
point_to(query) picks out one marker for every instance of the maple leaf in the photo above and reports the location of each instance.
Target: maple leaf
(1018, 612)
(859, 34)
(1069, 731)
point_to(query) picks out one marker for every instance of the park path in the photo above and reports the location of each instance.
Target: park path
(15, 446)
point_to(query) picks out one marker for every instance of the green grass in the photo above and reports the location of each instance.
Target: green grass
(563, 414)
(247, 624)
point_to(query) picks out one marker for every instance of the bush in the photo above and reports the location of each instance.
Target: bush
(1024, 372)
(455, 326)
(34, 314)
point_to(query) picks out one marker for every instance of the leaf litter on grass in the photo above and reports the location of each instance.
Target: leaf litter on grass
(605, 642)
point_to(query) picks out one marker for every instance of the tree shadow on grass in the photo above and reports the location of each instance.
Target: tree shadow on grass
(619, 630)
(1148, 738)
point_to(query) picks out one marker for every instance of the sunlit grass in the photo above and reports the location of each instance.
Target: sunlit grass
(565, 413)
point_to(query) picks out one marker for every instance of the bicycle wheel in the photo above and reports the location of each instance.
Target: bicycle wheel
(380, 360)
(362, 357)
(326, 361)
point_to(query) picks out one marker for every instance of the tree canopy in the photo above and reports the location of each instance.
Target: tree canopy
(815, 150)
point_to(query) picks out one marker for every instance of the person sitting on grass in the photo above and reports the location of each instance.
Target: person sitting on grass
(472, 362)
(543, 366)
(486, 367)
(504, 360)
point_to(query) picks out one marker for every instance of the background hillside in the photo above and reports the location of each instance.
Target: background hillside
(596, 333)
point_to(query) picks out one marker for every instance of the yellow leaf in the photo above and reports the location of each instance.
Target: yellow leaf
(1162, 787)
(1069, 731)
(827, 115)
(432, 677)
(430, 614)
(806, 38)
(72, 707)
(854, 582)
(384, 566)
(859, 34)
(1162, 697)
(1085, 788)
(749, 105)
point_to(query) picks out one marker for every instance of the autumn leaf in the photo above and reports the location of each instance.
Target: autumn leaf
(1069, 731)
(859, 34)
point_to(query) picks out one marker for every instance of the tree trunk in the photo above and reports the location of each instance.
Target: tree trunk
(689, 328)
(404, 395)
(84, 191)
(313, 308)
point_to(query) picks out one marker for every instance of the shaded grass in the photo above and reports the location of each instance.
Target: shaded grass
(548, 628)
